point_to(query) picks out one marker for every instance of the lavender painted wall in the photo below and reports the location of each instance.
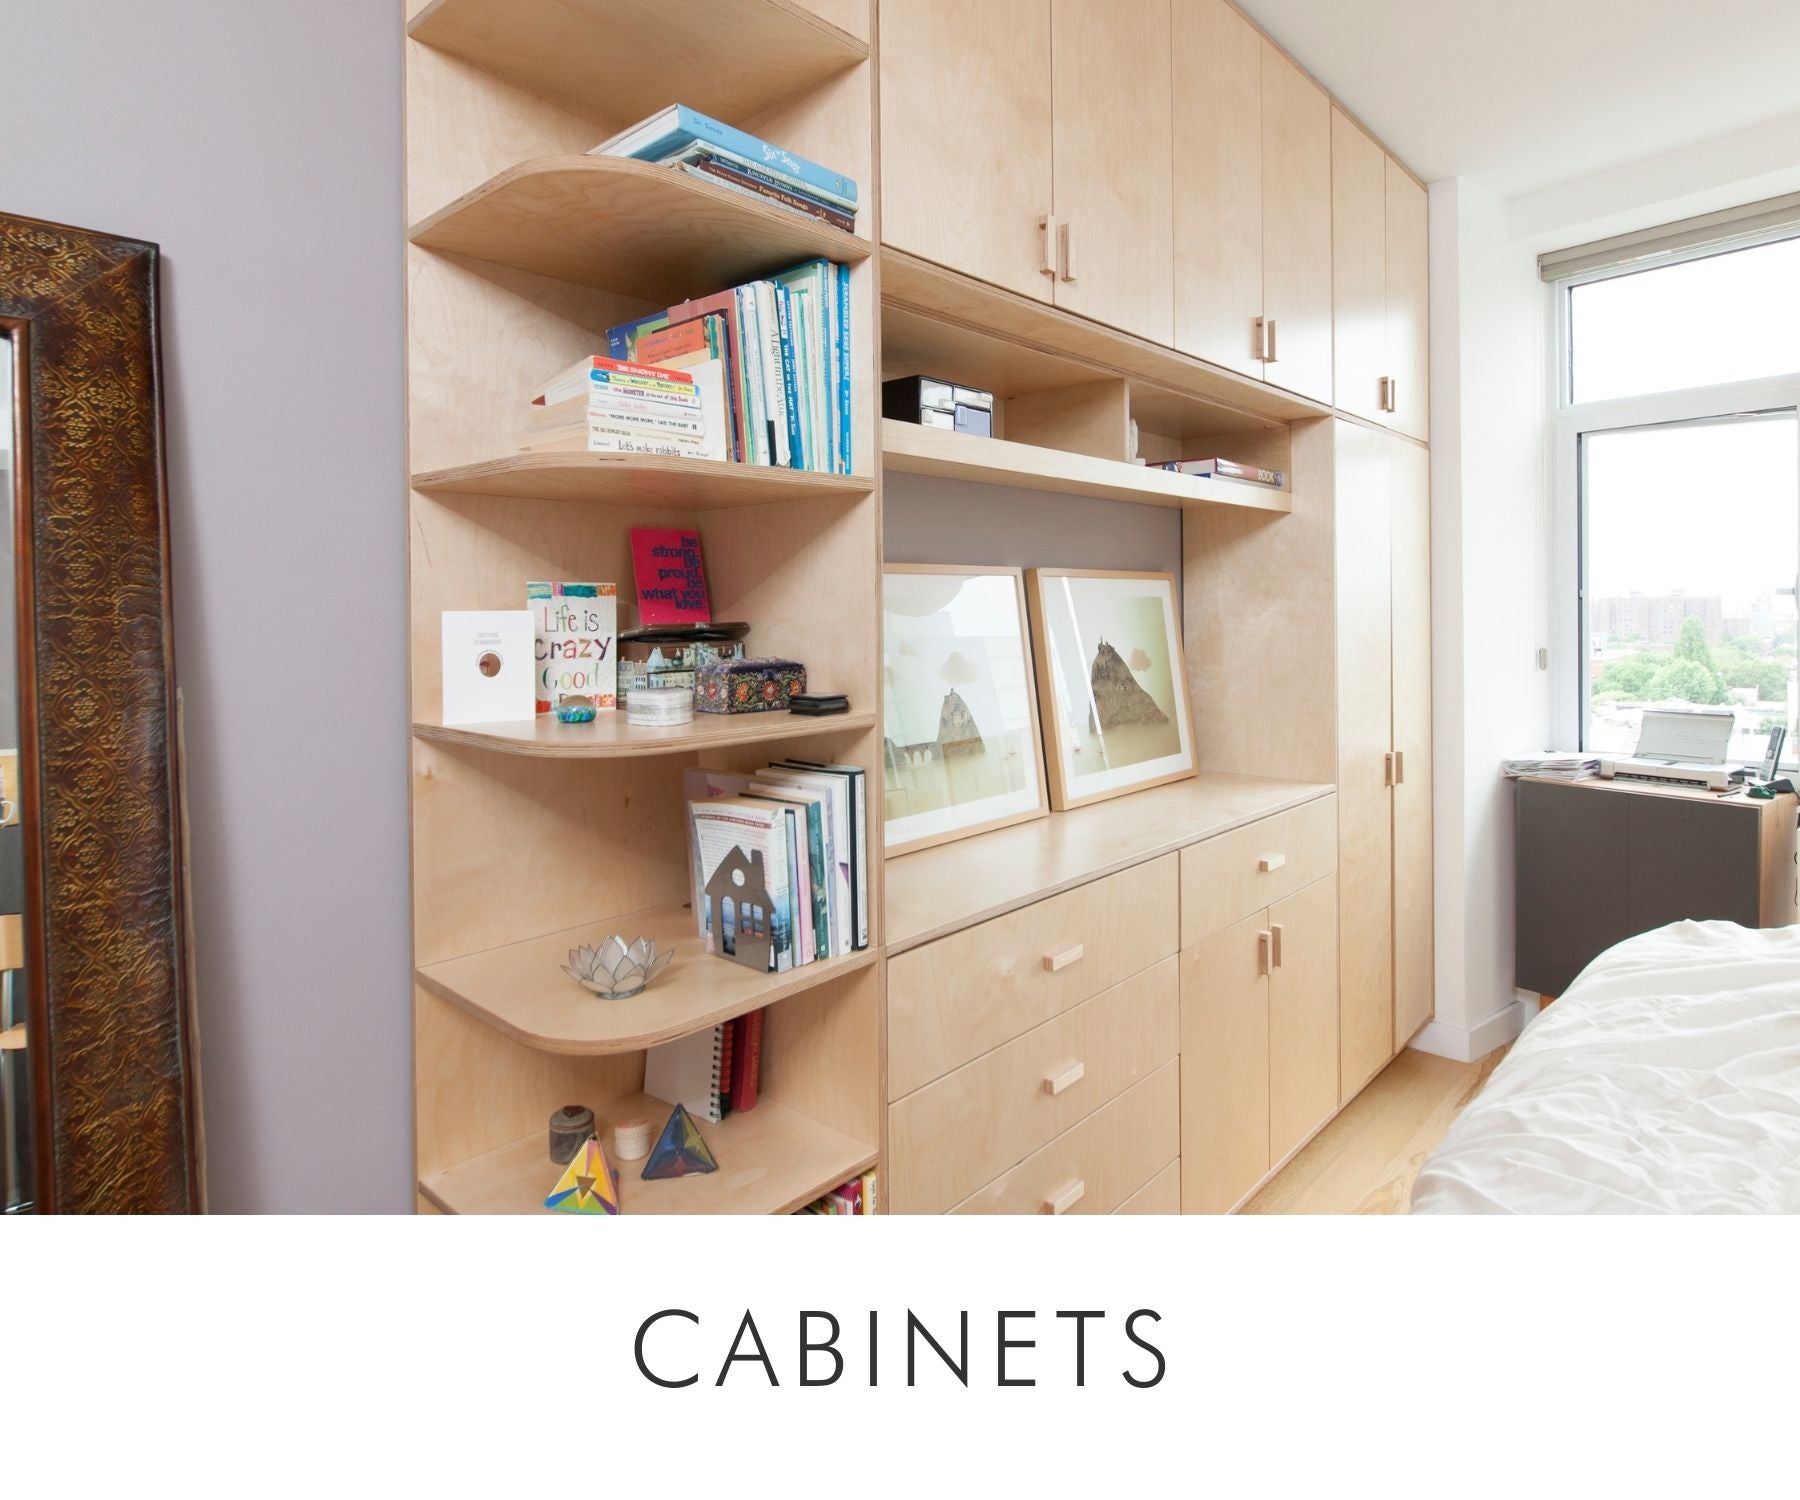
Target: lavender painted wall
(259, 145)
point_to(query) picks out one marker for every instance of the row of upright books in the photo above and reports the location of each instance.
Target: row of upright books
(702, 147)
(711, 1073)
(780, 861)
(756, 374)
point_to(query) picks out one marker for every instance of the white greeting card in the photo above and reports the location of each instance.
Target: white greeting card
(488, 667)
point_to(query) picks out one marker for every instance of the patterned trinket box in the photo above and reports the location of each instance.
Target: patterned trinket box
(757, 684)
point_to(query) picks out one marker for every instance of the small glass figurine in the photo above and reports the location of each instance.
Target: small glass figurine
(617, 970)
(575, 708)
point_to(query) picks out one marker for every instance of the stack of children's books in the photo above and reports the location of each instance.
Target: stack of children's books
(781, 347)
(714, 152)
(796, 830)
(675, 408)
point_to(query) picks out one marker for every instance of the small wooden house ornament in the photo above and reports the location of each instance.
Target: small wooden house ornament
(739, 898)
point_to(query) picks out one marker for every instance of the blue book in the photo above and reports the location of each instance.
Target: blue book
(676, 128)
(798, 457)
(846, 424)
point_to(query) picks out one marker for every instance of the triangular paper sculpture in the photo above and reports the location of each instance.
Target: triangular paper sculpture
(587, 1185)
(680, 1152)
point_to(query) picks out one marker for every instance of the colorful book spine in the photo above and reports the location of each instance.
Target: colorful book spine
(746, 1075)
(721, 176)
(841, 347)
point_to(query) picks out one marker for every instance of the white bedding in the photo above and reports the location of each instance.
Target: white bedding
(1667, 1080)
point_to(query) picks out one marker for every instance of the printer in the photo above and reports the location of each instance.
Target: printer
(1678, 749)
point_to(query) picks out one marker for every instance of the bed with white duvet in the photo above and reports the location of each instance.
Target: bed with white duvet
(1666, 1080)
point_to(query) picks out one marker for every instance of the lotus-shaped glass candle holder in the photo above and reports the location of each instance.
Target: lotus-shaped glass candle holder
(617, 970)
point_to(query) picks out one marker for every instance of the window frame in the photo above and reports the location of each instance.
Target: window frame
(1571, 422)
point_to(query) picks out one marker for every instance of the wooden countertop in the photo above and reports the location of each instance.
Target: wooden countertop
(941, 890)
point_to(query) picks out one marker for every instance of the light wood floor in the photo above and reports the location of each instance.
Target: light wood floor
(1365, 1160)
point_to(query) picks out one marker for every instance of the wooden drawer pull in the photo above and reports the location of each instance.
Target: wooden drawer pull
(1263, 954)
(1057, 962)
(1270, 863)
(1055, 1083)
(1065, 1197)
(1275, 945)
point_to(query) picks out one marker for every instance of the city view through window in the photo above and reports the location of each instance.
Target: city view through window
(1691, 547)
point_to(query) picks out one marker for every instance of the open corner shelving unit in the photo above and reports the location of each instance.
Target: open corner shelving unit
(531, 838)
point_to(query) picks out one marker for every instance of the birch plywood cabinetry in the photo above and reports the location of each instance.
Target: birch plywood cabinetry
(1296, 191)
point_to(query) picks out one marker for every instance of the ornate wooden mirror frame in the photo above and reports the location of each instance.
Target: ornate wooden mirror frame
(109, 1036)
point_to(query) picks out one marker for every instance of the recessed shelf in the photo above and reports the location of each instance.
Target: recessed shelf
(630, 226)
(772, 1160)
(909, 448)
(934, 892)
(638, 479)
(937, 321)
(635, 56)
(610, 736)
(520, 989)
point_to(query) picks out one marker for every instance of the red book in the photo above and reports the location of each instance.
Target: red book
(746, 1062)
(671, 577)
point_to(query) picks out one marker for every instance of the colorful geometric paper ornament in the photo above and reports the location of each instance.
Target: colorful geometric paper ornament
(679, 1151)
(587, 1185)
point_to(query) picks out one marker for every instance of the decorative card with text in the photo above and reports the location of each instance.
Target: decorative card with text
(487, 665)
(577, 628)
(671, 578)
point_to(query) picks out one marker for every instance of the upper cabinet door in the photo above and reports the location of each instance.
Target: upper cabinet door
(1359, 269)
(1408, 301)
(1114, 135)
(1217, 201)
(966, 137)
(1296, 177)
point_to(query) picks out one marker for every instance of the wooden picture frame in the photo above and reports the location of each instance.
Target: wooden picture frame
(109, 1037)
(1058, 634)
(1019, 805)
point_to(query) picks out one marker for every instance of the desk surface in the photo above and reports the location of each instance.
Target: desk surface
(1738, 797)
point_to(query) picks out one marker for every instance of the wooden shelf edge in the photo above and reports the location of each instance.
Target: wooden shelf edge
(634, 478)
(909, 448)
(945, 296)
(733, 729)
(779, 987)
(521, 1172)
(900, 940)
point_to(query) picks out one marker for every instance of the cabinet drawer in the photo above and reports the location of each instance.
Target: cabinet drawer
(956, 998)
(1223, 879)
(966, 1128)
(1160, 1195)
(1101, 1162)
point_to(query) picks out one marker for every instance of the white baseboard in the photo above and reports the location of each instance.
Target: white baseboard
(1460, 1045)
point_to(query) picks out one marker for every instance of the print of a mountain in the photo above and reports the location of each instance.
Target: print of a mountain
(1118, 699)
(957, 730)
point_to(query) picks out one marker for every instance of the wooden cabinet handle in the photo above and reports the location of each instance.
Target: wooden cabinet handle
(1264, 956)
(1393, 394)
(1056, 962)
(1275, 945)
(1055, 1083)
(1270, 863)
(1387, 769)
(1066, 234)
(1399, 767)
(1270, 356)
(1047, 246)
(1065, 1197)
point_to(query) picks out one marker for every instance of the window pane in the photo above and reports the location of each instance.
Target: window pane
(1691, 535)
(1699, 322)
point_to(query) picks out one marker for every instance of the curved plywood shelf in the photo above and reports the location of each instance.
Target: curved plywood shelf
(630, 226)
(909, 448)
(634, 56)
(772, 1160)
(610, 736)
(521, 990)
(637, 479)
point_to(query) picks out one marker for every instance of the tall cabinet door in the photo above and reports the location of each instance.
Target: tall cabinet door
(1303, 1015)
(1217, 202)
(1225, 1066)
(1114, 145)
(1414, 958)
(1365, 725)
(1358, 268)
(1408, 300)
(966, 137)
(1296, 192)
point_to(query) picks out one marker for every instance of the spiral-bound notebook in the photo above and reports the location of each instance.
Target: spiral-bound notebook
(690, 1071)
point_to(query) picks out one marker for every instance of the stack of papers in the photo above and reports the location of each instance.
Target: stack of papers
(1563, 765)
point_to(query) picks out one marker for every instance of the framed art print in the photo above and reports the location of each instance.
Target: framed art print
(960, 751)
(1111, 682)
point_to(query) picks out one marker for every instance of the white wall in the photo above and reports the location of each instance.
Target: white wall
(1490, 565)
(259, 144)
